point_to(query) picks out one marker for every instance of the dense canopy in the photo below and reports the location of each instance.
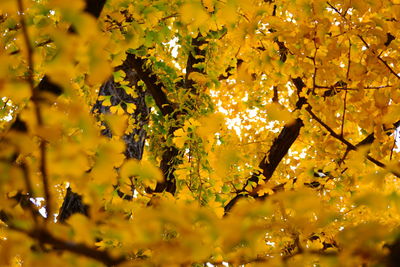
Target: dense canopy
(199, 132)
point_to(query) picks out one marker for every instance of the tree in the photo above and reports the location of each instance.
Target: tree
(193, 132)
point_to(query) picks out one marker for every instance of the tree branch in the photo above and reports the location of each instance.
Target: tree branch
(196, 56)
(43, 236)
(347, 143)
(280, 147)
(34, 91)
(379, 58)
(94, 7)
(268, 164)
(154, 86)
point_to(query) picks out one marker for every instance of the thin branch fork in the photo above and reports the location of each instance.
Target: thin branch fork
(347, 143)
(337, 11)
(379, 58)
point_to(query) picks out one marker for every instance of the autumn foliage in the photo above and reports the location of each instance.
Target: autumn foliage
(199, 132)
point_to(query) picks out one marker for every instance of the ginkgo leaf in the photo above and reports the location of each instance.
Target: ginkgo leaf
(180, 138)
(80, 224)
(381, 100)
(210, 125)
(176, 133)
(179, 141)
(117, 109)
(143, 170)
(119, 76)
(118, 124)
(77, 5)
(198, 78)
(18, 91)
(130, 107)
(106, 100)
(228, 14)
(209, 5)
(193, 13)
(278, 112)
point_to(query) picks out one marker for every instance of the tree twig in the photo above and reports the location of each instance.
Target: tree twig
(347, 143)
(337, 11)
(352, 88)
(29, 188)
(379, 58)
(38, 115)
(345, 93)
(394, 144)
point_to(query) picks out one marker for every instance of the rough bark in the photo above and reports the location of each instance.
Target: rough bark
(153, 85)
(72, 204)
(135, 140)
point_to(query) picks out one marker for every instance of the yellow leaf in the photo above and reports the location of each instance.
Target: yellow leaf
(198, 77)
(119, 76)
(228, 14)
(266, 189)
(180, 138)
(209, 5)
(70, 5)
(16, 91)
(180, 132)
(194, 13)
(210, 125)
(217, 207)
(48, 133)
(113, 109)
(130, 107)
(143, 170)
(81, 226)
(117, 109)
(179, 141)
(381, 100)
(278, 112)
(118, 124)
(106, 101)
